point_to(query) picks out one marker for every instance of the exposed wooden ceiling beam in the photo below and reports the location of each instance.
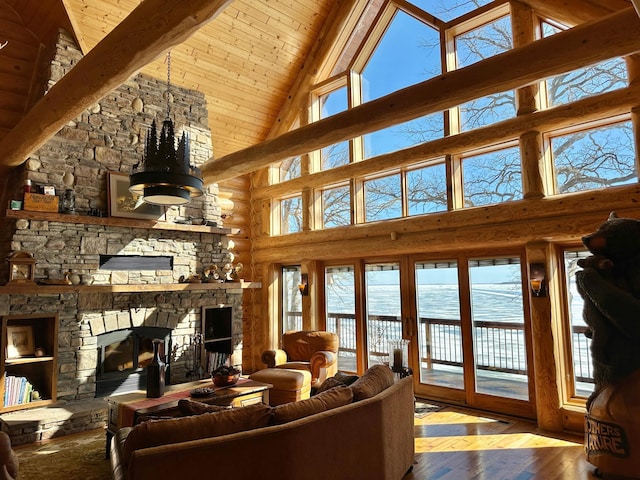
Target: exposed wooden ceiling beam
(575, 12)
(152, 28)
(612, 36)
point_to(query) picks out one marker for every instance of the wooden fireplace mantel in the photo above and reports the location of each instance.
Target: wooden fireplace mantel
(117, 222)
(161, 287)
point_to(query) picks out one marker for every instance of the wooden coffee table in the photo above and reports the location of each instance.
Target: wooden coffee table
(124, 410)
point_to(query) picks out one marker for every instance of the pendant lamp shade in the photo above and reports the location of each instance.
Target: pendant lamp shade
(165, 177)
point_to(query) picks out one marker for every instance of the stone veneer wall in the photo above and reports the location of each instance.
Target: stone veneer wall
(107, 137)
(83, 316)
(110, 136)
(76, 247)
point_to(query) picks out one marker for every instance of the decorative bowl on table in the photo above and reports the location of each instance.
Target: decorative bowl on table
(225, 376)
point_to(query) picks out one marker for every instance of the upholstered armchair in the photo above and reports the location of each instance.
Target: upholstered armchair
(315, 351)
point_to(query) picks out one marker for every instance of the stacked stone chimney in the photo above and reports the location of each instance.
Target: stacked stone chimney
(109, 137)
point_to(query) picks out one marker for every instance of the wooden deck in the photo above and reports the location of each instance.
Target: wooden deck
(459, 444)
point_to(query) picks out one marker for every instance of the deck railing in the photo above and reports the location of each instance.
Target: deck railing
(499, 346)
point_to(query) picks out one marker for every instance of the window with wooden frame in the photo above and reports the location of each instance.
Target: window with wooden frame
(383, 197)
(329, 99)
(492, 176)
(593, 156)
(336, 206)
(426, 186)
(290, 214)
(584, 82)
(289, 168)
(576, 345)
(291, 300)
(471, 41)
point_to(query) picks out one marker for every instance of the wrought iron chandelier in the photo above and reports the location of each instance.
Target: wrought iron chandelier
(165, 175)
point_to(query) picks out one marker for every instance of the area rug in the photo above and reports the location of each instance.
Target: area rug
(422, 408)
(69, 457)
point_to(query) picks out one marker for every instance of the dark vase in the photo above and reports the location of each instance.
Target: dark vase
(155, 372)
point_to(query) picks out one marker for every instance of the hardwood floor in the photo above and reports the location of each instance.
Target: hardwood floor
(459, 444)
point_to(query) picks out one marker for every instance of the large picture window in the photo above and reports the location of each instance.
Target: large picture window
(492, 177)
(383, 198)
(602, 156)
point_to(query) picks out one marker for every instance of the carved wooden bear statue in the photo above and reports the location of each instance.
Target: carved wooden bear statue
(610, 286)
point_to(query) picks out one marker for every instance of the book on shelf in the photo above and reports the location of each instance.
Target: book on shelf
(216, 360)
(17, 390)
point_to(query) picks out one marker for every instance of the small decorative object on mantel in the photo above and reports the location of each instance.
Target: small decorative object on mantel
(22, 268)
(195, 278)
(228, 273)
(37, 202)
(68, 202)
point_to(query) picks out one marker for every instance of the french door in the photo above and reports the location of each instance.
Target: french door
(464, 317)
(472, 341)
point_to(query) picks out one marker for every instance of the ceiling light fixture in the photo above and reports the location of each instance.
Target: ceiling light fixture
(165, 175)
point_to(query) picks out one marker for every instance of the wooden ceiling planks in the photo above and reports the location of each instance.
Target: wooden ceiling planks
(244, 61)
(18, 60)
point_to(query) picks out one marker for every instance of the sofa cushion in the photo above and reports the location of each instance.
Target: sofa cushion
(183, 429)
(191, 407)
(332, 398)
(375, 379)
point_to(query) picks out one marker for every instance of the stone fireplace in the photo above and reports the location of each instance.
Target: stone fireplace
(112, 305)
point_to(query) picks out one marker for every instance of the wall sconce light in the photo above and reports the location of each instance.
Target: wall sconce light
(537, 279)
(303, 286)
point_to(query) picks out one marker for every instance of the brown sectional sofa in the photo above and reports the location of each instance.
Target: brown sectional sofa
(361, 431)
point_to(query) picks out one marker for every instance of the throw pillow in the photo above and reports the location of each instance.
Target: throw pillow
(327, 384)
(346, 379)
(190, 407)
(375, 379)
(183, 429)
(333, 398)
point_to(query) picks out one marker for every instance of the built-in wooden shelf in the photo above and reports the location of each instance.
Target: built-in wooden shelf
(156, 287)
(118, 222)
(41, 373)
(26, 360)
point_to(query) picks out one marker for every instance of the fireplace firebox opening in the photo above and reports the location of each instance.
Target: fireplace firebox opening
(123, 356)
